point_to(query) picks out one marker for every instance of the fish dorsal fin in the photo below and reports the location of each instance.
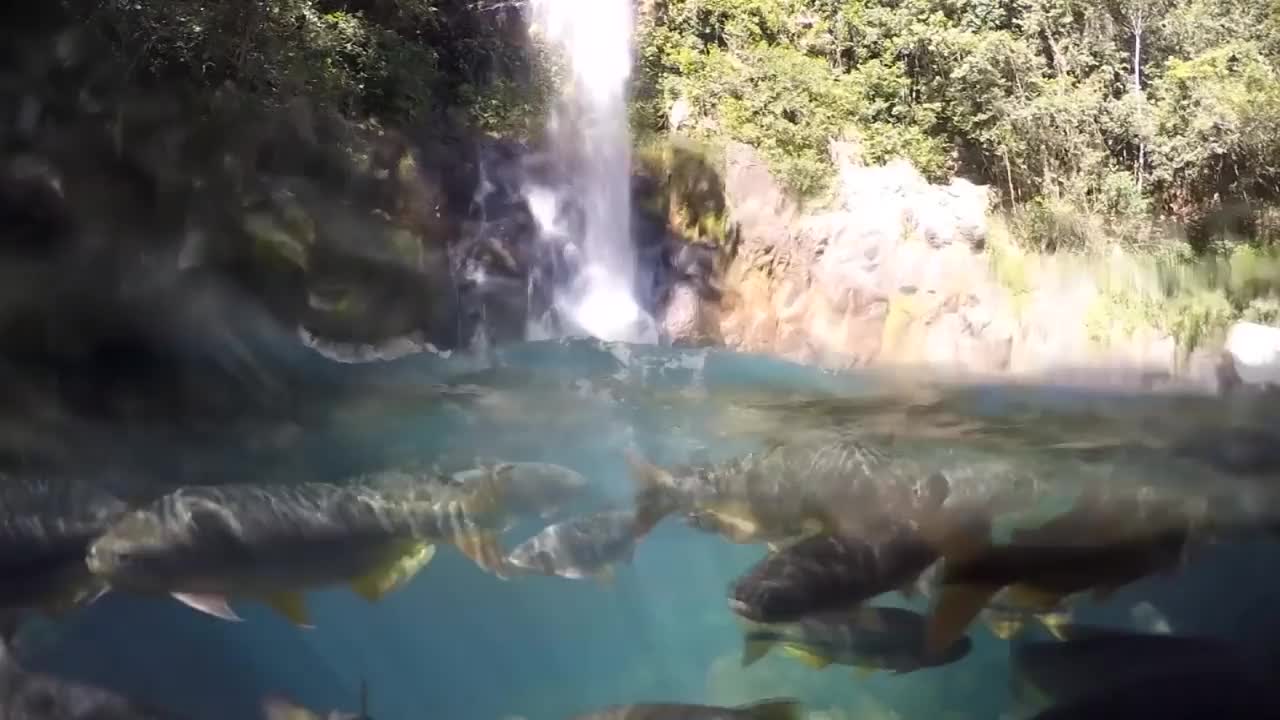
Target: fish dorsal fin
(401, 567)
(292, 605)
(806, 656)
(214, 605)
(772, 709)
(862, 672)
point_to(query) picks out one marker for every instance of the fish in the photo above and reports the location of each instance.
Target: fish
(1092, 657)
(202, 545)
(1040, 576)
(587, 547)
(869, 638)
(842, 486)
(1189, 694)
(46, 527)
(827, 573)
(771, 709)
(27, 695)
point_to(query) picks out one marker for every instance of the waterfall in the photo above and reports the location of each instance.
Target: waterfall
(590, 141)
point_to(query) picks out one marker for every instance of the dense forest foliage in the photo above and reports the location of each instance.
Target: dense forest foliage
(400, 61)
(1087, 116)
(1090, 118)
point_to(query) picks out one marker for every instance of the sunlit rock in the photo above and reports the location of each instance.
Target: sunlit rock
(1254, 351)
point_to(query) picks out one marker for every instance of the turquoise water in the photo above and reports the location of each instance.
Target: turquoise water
(460, 644)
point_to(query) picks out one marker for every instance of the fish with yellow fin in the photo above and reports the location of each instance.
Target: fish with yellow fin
(790, 485)
(1039, 570)
(206, 544)
(869, 639)
(844, 483)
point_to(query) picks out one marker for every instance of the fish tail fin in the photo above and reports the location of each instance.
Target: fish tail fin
(773, 709)
(483, 549)
(652, 492)
(755, 647)
(956, 608)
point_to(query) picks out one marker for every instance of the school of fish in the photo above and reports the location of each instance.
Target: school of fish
(846, 521)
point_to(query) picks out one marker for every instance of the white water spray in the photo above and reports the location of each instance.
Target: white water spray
(590, 137)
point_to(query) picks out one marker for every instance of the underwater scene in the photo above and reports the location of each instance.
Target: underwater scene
(560, 528)
(639, 360)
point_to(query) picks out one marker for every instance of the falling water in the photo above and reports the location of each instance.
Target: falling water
(591, 142)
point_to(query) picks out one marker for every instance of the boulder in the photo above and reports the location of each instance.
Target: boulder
(886, 276)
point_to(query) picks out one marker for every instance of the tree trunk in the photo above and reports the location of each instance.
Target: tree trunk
(1137, 21)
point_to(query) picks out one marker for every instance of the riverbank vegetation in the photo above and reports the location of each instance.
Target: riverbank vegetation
(1146, 128)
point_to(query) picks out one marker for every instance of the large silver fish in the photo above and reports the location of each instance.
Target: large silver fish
(205, 544)
(590, 546)
(844, 485)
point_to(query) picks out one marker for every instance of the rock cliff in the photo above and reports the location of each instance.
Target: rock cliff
(900, 271)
